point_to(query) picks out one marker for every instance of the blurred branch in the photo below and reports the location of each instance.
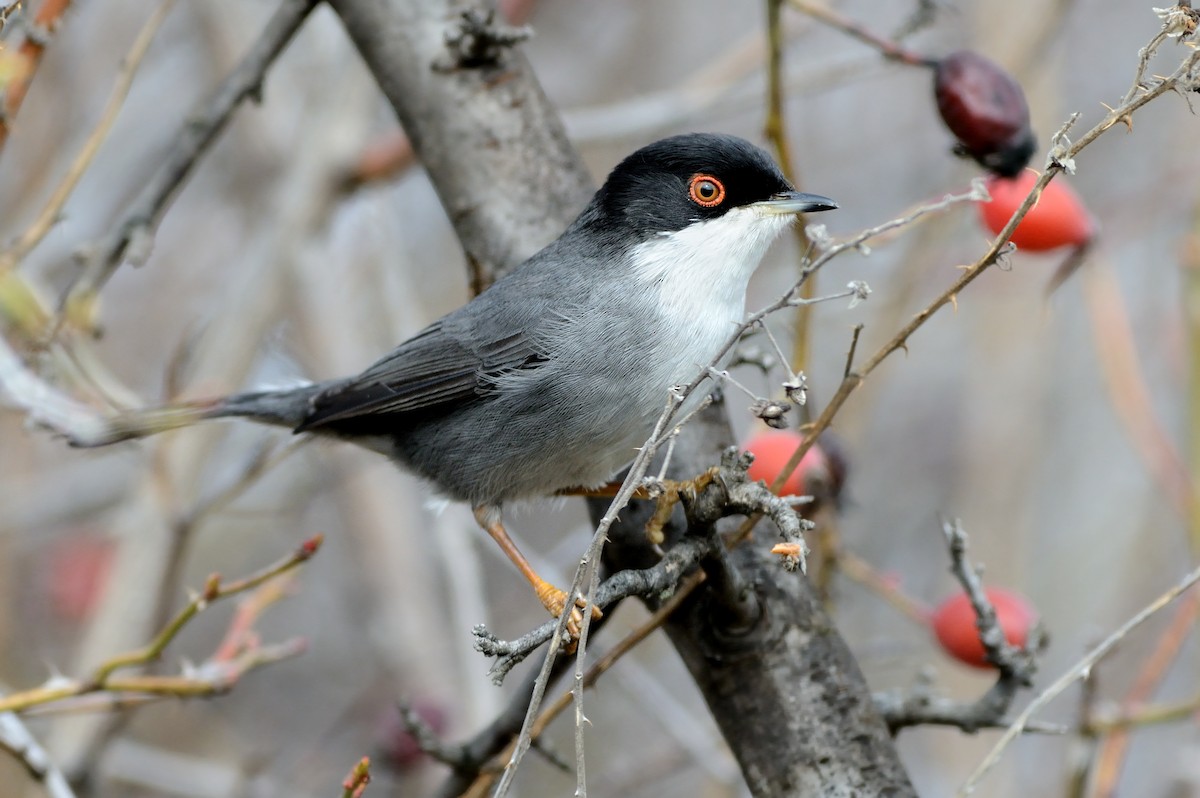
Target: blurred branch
(16, 740)
(218, 674)
(921, 706)
(49, 15)
(133, 236)
(49, 215)
(80, 424)
(392, 155)
(1112, 333)
(861, 571)
(472, 757)
(1142, 716)
(775, 127)
(890, 50)
(1078, 671)
(1157, 664)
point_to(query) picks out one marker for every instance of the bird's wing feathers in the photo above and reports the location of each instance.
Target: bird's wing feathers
(438, 366)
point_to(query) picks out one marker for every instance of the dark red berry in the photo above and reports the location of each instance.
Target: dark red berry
(985, 109)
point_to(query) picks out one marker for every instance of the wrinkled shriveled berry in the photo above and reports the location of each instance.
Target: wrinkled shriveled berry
(985, 109)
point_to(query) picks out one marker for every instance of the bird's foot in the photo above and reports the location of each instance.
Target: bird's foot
(555, 602)
(666, 494)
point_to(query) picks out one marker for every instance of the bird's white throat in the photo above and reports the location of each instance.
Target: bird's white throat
(700, 275)
(704, 268)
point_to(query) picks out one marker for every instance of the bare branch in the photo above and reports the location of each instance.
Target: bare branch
(17, 741)
(49, 215)
(1080, 670)
(218, 674)
(133, 236)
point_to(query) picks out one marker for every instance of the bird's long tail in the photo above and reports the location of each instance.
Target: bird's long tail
(281, 408)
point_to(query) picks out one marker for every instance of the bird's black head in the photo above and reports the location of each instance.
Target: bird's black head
(677, 181)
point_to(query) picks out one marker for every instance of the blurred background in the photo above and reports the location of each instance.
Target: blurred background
(1043, 423)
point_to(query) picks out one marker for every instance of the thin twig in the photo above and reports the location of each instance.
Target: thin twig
(775, 127)
(1016, 664)
(49, 215)
(1078, 671)
(859, 570)
(625, 645)
(216, 675)
(1154, 669)
(887, 48)
(132, 237)
(24, 747)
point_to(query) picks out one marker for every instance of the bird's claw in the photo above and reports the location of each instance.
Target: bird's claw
(555, 601)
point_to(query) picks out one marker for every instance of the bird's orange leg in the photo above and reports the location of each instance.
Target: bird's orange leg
(553, 599)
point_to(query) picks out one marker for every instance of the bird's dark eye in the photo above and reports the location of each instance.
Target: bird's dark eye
(706, 191)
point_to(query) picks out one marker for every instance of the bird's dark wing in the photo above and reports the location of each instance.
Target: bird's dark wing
(435, 367)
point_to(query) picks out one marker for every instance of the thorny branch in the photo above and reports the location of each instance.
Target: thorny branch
(654, 581)
(727, 492)
(887, 48)
(469, 760)
(1060, 159)
(235, 658)
(1016, 665)
(1143, 91)
(1080, 670)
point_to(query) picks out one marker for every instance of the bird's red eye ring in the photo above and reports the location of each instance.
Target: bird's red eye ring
(706, 191)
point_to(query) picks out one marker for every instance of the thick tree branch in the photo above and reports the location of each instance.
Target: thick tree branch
(490, 140)
(785, 690)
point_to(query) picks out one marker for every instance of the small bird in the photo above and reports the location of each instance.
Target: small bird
(551, 379)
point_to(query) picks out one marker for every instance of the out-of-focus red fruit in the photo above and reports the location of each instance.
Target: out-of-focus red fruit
(1058, 219)
(954, 620)
(77, 573)
(771, 452)
(985, 109)
(397, 743)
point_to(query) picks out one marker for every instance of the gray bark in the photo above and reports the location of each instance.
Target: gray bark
(786, 692)
(488, 137)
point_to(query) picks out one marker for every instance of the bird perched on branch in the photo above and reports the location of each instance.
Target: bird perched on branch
(552, 378)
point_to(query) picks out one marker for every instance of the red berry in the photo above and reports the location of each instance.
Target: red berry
(1058, 219)
(771, 452)
(78, 573)
(985, 109)
(954, 623)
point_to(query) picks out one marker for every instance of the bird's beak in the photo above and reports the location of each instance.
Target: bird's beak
(789, 202)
